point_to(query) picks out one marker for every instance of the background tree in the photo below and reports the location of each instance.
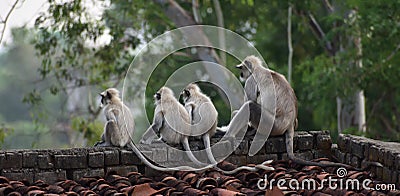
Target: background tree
(84, 53)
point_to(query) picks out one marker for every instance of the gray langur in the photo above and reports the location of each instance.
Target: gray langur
(119, 128)
(258, 81)
(171, 121)
(203, 116)
(120, 125)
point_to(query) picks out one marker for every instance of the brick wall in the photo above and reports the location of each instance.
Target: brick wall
(359, 151)
(54, 164)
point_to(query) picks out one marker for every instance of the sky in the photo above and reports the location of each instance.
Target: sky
(24, 14)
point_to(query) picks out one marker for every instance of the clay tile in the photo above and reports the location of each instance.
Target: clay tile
(321, 159)
(70, 193)
(250, 192)
(166, 179)
(33, 188)
(312, 167)
(192, 191)
(6, 190)
(40, 183)
(22, 189)
(109, 192)
(246, 177)
(143, 189)
(120, 186)
(206, 181)
(278, 175)
(208, 188)
(4, 180)
(14, 194)
(357, 175)
(36, 193)
(181, 186)
(88, 193)
(144, 180)
(189, 177)
(77, 188)
(224, 165)
(323, 176)
(224, 192)
(87, 181)
(55, 189)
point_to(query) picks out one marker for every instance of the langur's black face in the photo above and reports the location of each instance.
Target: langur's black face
(244, 71)
(105, 98)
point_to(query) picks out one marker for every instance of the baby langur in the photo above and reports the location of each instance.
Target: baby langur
(258, 83)
(203, 116)
(171, 121)
(120, 125)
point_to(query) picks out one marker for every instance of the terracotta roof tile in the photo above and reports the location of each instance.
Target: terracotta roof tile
(210, 182)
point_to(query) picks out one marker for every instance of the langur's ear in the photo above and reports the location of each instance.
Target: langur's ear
(187, 93)
(248, 64)
(108, 95)
(157, 96)
(240, 66)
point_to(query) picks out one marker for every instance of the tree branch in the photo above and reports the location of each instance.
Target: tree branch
(320, 34)
(4, 21)
(290, 47)
(195, 35)
(221, 35)
(195, 10)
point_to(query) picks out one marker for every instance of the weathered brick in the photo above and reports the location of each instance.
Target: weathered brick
(160, 154)
(237, 160)
(44, 161)
(129, 158)
(78, 174)
(29, 159)
(25, 174)
(389, 158)
(96, 159)
(122, 170)
(379, 172)
(355, 161)
(323, 142)
(12, 160)
(373, 153)
(342, 143)
(322, 154)
(77, 161)
(303, 141)
(256, 159)
(175, 154)
(2, 157)
(307, 155)
(386, 174)
(367, 146)
(51, 176)
(357, 149)
(341, 156)
(243, 148)
(275, 145)
(221, 149)
(397, 162)
(111, 157)
(381, 155)
(394, 177)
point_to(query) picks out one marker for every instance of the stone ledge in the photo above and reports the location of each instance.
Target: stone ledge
(53, 164)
